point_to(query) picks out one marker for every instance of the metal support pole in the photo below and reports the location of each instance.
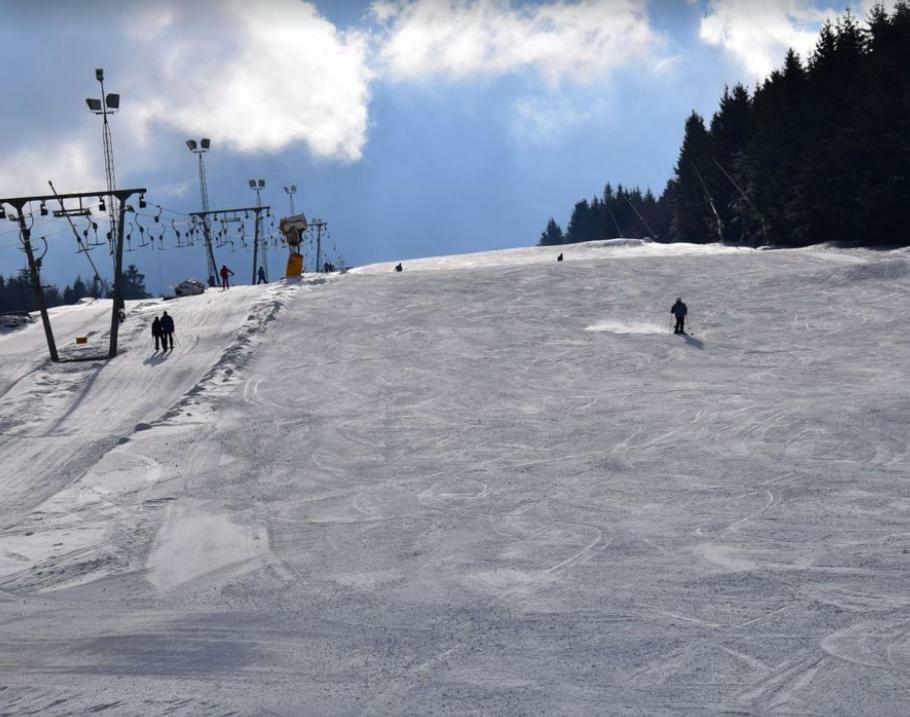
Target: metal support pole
(255, 248)
(36, 282)
(118, 283)
(319, 247)
(761, 218)
(710, 200)
(109, 164)
(206, 228)
(638, 214)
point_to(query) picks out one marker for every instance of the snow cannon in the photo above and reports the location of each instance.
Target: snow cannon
(292, 229)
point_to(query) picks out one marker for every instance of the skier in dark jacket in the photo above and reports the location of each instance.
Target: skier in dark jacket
(225, 273)
(261, 276)
(679, 310)
(167, 332)
(156, 331)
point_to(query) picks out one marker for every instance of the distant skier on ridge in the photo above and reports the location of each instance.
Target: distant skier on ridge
(680, 310)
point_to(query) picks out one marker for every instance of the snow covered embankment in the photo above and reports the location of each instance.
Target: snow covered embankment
(74, 504)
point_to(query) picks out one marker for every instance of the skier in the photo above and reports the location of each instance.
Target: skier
(679, 310)
(399, 267)
(262, 279)
(559, 258)
(156, 331)
(225, 272)
(167, 332)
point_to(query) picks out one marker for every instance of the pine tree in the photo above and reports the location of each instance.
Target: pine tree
(552, 235)
(692, 215)
(134, 283)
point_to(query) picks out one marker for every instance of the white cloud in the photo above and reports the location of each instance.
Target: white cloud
(758, 34)
(68, 163)
(546, 120)
(462, 38)
(255, 77)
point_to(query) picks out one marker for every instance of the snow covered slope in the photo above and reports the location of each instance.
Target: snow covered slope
(496, 487)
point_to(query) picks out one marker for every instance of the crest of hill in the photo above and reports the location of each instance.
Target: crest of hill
(608, 249)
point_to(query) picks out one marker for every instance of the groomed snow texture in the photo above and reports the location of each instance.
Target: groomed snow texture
(490, 484)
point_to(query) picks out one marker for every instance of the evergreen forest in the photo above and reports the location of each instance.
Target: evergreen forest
(18, 295)
(818, 152)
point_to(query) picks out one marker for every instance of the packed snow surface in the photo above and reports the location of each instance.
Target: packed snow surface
(488, 484)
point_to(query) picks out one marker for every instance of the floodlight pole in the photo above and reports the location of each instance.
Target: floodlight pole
(34, 270)
(204, 191)
(319, 224)
(255, 248)
(258, 187)
(108, 156)
(290, 191)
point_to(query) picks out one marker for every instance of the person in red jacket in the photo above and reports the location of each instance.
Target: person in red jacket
(225, 273)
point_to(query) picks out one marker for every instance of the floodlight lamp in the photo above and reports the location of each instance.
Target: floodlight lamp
(102, 207)
(252, 184)
(206, 143)
(191, 144)
(113, 101)
(261, 183)
(93, 104)
(142, 203)
(293, 188)
(43, 209)
(99, 74)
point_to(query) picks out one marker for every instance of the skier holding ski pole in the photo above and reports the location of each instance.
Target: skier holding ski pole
(680, 311)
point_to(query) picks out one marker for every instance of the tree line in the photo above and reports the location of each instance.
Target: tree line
(18, 294)
(817, 152)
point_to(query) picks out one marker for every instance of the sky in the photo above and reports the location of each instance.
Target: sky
(412, 127)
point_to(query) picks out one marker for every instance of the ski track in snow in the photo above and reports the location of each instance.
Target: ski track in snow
(489, 484)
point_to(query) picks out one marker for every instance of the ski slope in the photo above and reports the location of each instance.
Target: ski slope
(490, 484)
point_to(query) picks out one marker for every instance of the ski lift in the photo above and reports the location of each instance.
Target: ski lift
(180, 243)
(96, 241)
(158, 215)
(142, 239)
(129, 239)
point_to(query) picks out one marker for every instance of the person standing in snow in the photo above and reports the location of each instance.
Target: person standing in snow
(167, 332)
(261, 276)
(156, 331)
(225, 273)
(679, 310)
